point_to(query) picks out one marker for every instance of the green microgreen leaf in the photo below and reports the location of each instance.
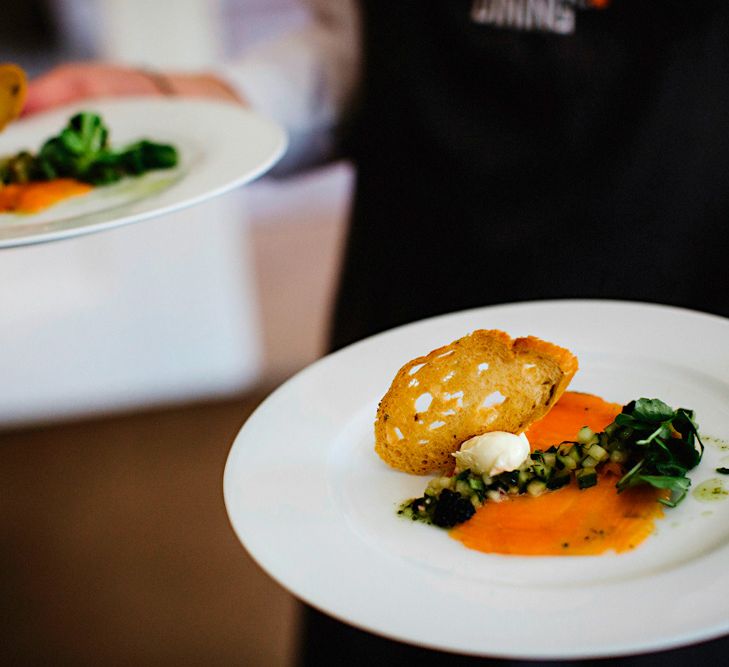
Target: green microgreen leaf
(652, 410)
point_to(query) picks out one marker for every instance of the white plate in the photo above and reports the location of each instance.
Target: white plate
(315, 507)
(221, 146)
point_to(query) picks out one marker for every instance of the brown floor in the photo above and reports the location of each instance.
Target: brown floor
(116, 548)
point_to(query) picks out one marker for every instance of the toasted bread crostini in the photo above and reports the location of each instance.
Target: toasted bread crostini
(13, 86)
(482, 382)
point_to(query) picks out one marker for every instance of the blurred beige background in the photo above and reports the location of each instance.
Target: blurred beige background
(130, 360)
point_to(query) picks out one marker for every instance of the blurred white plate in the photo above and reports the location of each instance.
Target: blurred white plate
(221, 146)
(315, 506)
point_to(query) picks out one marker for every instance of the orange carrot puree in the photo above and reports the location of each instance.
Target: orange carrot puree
(34, 197)
(568, 521)
(568, 416)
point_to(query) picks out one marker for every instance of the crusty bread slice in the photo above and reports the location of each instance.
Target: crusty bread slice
(13, 86)
(482, 382)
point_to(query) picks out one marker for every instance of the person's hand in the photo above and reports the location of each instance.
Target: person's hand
(79, 81)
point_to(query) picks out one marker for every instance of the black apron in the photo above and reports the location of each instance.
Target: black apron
(497, 164)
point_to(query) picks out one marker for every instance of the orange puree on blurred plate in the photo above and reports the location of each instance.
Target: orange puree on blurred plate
(567, 521)
(34, 197)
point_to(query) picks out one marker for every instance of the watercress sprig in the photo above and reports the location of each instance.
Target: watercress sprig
(663, 445)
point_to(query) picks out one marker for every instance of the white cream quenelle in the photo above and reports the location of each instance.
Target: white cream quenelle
(493, 453)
